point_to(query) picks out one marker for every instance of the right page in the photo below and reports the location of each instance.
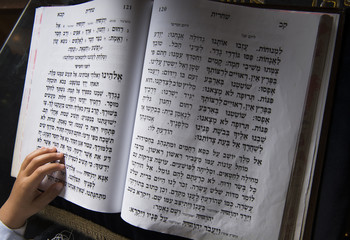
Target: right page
(219, 115)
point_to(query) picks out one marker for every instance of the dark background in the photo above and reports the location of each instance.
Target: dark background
(332, 207)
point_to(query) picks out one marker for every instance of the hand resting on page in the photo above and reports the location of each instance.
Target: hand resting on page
(25, 199)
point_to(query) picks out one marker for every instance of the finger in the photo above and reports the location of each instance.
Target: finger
(46, 197)
(34, 154)
(41, 160)
(38, 175)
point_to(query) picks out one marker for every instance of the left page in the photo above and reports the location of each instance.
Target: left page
(80, 94)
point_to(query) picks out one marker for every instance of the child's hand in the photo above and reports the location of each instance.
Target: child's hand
(25, 199)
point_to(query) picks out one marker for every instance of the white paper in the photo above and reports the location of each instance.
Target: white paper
(80, 94)
(218, 118)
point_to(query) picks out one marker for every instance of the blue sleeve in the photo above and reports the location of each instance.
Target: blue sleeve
(11, 234)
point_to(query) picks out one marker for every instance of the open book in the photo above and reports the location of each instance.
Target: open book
(186, 116)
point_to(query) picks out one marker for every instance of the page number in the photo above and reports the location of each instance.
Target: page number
(127, 7)
(162, 9)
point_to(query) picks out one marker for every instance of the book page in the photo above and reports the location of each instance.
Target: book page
(80, 95)
(218, 119)
(300, 203)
